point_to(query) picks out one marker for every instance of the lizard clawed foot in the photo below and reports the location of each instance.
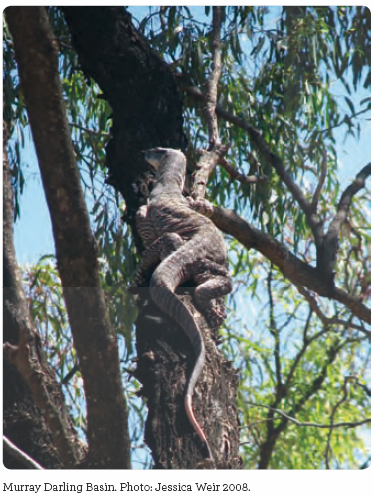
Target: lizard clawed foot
(214, 312)
(201, 206)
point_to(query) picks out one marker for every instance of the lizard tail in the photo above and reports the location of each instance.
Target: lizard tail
(169, 303)
(189, 410)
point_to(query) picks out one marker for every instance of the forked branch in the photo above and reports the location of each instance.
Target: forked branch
(210, 158)
(298, 272)
(326, 260)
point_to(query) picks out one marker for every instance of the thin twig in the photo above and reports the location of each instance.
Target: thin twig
(89, 131)
(342, 121)
(329, 321)
(70, 374)
(275, 333)
(365, 388)
(19, 455)
(321, 182)
(306, 342)
(236, 175)
(252, 424)
(64, 44)
(334, 410)
(312, 424)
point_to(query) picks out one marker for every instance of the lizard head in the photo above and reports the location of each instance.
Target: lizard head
(158, 156)
(170, 167)
(154, 156)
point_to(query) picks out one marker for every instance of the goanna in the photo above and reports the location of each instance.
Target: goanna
(185, 245)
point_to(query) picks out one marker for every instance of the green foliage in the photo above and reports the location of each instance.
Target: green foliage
(307, 358)
(15, 116)
(301, 76)
(47, 308)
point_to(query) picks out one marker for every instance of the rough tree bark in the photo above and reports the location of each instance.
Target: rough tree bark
(147, 112)
(23, 421)
(94, 339)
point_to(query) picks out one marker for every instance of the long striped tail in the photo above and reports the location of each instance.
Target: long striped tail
(169, 303)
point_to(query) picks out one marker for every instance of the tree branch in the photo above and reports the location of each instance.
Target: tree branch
(215, 153)
(212, 84)
(365, 388)
(236, 175)
(326, 245)
(326, 261)
(88, 131)
(275, 333)
(321, 181)
(329, 321)
(334, 410)
(205, 166)
(346, 118)
(295, 270)
(94, 339)
(273, 432)
(332, 353)
(22, 341)
(299, 355)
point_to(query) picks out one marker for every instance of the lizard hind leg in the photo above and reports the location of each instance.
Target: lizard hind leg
(212, 282)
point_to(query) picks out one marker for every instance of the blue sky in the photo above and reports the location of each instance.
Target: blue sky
(33, 235)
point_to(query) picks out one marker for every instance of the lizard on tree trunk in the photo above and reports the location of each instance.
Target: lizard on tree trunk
(187, 246)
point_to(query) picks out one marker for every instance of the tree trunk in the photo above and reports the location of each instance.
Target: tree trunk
(94, 339)
(147, 112)
(24, 424)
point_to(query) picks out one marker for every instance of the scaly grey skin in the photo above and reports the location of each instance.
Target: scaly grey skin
(187, 246)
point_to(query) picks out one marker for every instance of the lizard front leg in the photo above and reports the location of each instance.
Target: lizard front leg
(201, 205)
(144, 226)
